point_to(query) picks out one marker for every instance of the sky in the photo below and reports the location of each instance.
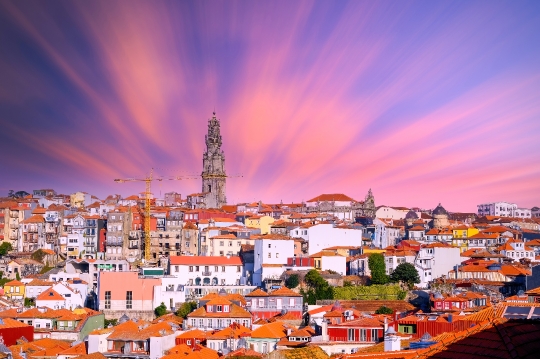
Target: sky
(424, 102)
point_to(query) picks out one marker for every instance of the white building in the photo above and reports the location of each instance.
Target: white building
(516, 250)
(385, 234)
(324, 235)
(271, 253)
(394, 258)
(393, 212)
(435, 260)
(503, 209)
(210, 270)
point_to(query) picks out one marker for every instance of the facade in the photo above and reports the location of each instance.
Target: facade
(213, 175)
(435, 260)
(218, 313)
(210, 270)
(127, 293)
(503, 209)
(270, 256)
(265, 305)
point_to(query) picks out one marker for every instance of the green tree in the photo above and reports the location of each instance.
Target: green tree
(5, 247)
(292, 282)
(378, 269)
(406, 273)
(17, 276)
(384, 310)
(111, 322)
(185, 309)
(318, 288)
(160, 310)
(29, 302)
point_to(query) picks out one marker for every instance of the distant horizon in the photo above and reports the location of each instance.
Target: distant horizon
(125, 195)
(423, 102)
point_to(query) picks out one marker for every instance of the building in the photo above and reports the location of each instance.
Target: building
(126, 293)
(270, 255)
(435, 260)
(213, 175)
(218, 313)
(210, 270)
(503, 209)
(267, 305)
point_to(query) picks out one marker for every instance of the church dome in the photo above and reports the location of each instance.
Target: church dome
(411, 215)
(439, 210)
(337, 306)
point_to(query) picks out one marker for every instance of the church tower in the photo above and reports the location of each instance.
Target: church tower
(213, 175)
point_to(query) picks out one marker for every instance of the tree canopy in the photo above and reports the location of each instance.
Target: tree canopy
(378, 269)
(160, 310)
(292, 282)
(407, 273)
(384, 310)
(318, 288)
(5, 247)
(185, 309)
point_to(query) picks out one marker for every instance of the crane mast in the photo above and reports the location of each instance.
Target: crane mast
(147, 200)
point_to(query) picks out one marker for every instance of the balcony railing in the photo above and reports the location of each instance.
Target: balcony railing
(206, 273)
(113, 243)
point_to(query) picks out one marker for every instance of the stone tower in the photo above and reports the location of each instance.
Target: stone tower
(369, 205)
(213, 175)
(440, 217)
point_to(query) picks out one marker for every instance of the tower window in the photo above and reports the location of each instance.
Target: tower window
(209, 188)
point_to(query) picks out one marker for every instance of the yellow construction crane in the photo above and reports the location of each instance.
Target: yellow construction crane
(148, 180)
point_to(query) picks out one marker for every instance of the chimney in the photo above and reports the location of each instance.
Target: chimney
(392, 342)
(324, 333)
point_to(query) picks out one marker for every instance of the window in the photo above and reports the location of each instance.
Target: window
(291, 302)
(230, 243)
(350, 335)
(176, 268)
(29, 322)
(374, 335)
(238, 268)
(191, 268)
(196, 268)
(277, 254)
(362, 335)
(187, 244)
(223, 269)
(219, 308)
(269, 245)
(47, 325)
(108, 299)
(221, 243)
(129, 299)
(269, 255)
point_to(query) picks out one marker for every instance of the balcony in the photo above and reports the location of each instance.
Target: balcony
(113, 243)
(89, 244)
(206, 273)
(14, 226)
(133, 246)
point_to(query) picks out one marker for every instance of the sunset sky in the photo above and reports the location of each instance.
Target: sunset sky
(422, 101)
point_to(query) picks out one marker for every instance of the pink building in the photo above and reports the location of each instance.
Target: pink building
(126, 293)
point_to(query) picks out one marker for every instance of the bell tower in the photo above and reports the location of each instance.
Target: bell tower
(213, 175)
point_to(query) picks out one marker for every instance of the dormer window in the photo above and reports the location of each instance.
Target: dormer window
(226, 308)
(219, 308)
(209, 308)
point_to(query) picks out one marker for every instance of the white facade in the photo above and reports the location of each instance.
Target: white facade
(434, 261)
(32, 291)
(210, 270)
(325, 235)
(385, 235)
(271, 252)
(74, 297)
(170, 292)
(336, 263)
(393, 212)
(392, 260)
(97, 343)
(503, 209)
(159, 345)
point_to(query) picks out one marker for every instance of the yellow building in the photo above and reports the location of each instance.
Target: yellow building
(14, 289)
(464, 231)
(261, 222)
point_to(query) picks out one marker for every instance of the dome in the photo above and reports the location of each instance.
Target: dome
(411, 215)
(336, 306)
(438, 296)
(439, 210)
